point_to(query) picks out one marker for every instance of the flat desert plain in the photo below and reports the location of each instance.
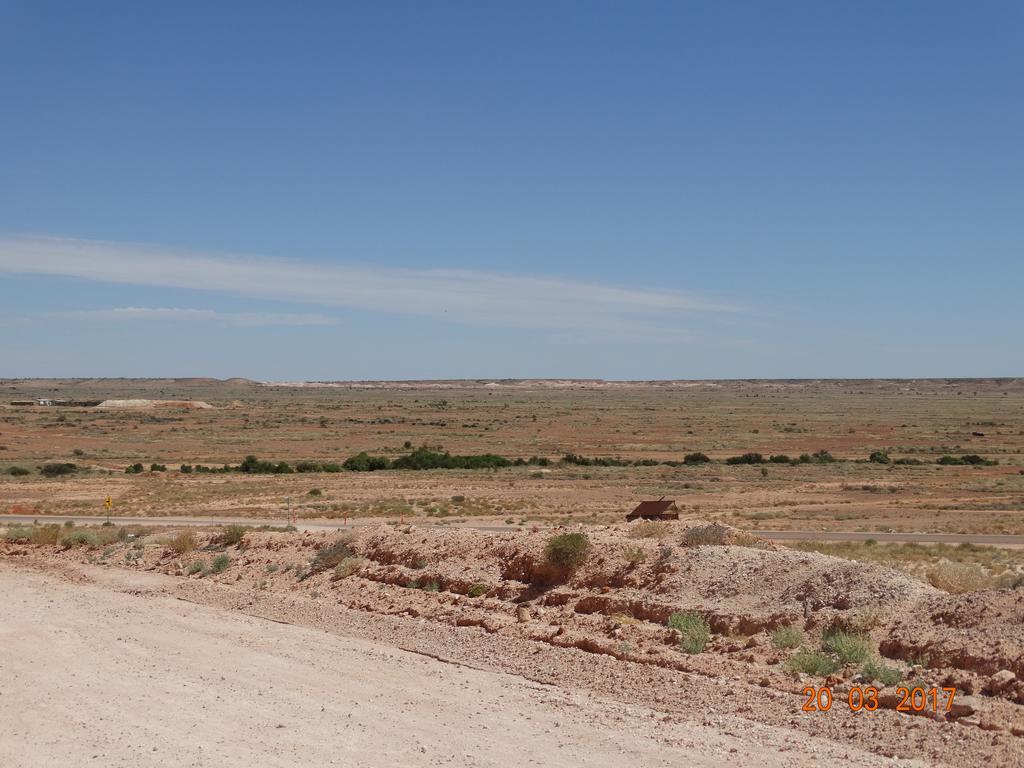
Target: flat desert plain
(509, 614)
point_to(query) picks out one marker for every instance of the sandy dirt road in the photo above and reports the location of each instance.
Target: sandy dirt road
(125, 674)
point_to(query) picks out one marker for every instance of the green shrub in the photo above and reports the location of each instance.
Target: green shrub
(432, 586)
(134, 469)
(879, 457)
(478, 590)
(314, 492)
(848, 648)
(157, 468)
(185, 469)
(693, 629)
(18, 471)
(780, 458)
(220, 564)
(695, 458)
(18, 533)
(56, 470)
(809, 662)
(364, 462)
(822, 457)
(787, 637)
(271, 567)
(874, 669)
(567, 551)
(195, 567)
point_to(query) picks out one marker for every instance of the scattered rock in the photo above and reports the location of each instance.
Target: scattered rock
(963, 706)
(1000, 681)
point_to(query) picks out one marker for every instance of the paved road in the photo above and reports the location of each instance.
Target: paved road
(330, 525)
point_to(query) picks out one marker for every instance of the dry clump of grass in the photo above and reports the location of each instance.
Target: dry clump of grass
(230, 536)
(958, 578)
(717, 535)
(182, 542)
(635, 555)
(330, 556)
(648, 529)
(350, 566)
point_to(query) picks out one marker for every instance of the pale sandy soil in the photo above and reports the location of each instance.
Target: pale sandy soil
(106, 667)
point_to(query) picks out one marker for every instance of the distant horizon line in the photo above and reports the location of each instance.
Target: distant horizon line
(513, 379)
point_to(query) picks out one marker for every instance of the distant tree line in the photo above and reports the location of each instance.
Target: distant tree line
(427, 458)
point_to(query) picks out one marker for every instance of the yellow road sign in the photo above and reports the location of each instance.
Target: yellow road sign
(108, 503)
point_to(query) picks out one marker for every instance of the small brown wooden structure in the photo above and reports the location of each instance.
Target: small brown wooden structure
(662, 509)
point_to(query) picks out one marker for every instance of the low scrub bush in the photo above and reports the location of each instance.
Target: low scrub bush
(46, 534)
(848, 648)
(694, 632)
(18, 533)
(157, 467)
(58, 469)
(330, 556)
(635, 555)
(780, 458)
(695, 458)
(364, 462)
(879, 457)
(18, 471)
(348, 567)
(968, 459)
(182, 542)
(134, 469)
(230, 536)
(746, 458)
(195, 567)
(80, 538)
(600, 461)
(567, 551)
(787, 637)
(220, 564)
(810, 662)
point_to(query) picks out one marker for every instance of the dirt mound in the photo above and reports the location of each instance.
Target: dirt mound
(142, 403)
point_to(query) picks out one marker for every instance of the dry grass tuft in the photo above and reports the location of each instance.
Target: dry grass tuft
(184, 541)
(649, 529)
(718, 535)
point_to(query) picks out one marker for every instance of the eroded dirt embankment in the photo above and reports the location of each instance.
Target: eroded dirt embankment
(618, 604)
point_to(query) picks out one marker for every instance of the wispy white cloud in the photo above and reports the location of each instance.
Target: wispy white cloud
(243, 319)
(460, 295)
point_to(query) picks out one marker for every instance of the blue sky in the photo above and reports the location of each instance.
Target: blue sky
(480, 189)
